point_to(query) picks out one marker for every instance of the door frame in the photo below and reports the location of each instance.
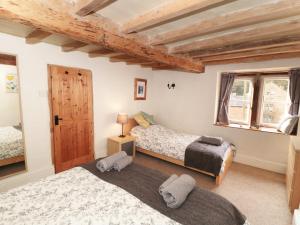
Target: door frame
(51, 110)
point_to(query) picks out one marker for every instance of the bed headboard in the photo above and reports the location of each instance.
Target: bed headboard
(131, 124)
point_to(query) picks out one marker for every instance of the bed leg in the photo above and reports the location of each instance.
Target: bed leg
(218, 180)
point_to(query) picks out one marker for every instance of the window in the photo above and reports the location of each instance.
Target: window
(275, 101)
(259, 101)
(240, 102)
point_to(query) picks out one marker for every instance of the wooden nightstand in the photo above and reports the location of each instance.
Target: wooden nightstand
(116, 144)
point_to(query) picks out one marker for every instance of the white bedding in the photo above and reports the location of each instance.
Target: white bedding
(11, 143)
(162, 140)
(75, 197)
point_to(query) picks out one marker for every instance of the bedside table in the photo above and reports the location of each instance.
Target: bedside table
(116, 144)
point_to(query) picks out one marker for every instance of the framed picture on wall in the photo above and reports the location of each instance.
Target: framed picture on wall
(140, 89)
(11, 85)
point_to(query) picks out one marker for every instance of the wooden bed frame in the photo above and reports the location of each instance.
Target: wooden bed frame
(228, 160)
(4, 162)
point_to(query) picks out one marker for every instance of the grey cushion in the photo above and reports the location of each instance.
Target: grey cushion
(288, 124)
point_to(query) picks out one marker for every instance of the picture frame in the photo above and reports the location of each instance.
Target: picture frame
(140, 89)
(11, 83)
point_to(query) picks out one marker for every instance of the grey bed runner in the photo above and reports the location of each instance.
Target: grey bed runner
(208, 158)
(202, 207)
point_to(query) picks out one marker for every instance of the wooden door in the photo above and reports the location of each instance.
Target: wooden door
(72, 116)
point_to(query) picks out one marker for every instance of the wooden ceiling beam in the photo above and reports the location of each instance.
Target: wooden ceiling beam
(167, 12)
(253, 53)
(254, 58)
(122, 57)
(277, 30)
(93, 6)
(103, 52)
(135, 61)
(37, 36)
(72, 46)
(8, 60)
(243, 17)
(88, 30)
(247, 46)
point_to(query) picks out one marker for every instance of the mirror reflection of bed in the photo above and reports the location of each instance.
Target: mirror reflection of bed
(12, 157)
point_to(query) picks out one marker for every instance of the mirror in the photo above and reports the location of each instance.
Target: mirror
(12, 151)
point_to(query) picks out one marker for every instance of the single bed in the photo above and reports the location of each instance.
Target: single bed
(11, 145)
(83, 195)
(171, 146)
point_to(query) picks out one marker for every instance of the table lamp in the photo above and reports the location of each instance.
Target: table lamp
(122, 119)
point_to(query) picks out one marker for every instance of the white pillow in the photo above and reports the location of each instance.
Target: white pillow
(288, 124)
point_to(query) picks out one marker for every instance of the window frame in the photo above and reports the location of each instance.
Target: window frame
(261, 99)
(237, 122)
(257, 101)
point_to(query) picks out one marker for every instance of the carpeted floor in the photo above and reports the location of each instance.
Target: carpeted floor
(259, 194)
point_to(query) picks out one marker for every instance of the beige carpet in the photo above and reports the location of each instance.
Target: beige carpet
(259, 194)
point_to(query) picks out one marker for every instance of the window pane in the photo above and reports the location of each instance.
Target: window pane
(275, 100)
(240, 101)
(273, 112)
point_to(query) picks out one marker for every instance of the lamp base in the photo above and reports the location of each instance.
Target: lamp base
(122, 136)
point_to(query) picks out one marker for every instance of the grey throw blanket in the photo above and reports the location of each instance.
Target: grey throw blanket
(166, 183)
(205, 157)
(122, 163)
(107, 163)
(177, 191)
(202, 207)
(211, 140)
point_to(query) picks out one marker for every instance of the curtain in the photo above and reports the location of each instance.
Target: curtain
(294, 91)
(227, 80)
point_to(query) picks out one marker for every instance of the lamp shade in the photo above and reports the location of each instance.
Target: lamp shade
(122, 118)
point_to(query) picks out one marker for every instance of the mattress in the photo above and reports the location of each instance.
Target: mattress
(163, 140)
(75, 197)
(80, 197)
(168, 142)
(11, 142)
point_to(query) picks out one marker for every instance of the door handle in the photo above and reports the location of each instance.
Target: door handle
(56, 120)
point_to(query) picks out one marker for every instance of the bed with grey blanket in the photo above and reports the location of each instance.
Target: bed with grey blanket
(206, 157)
(202, 207)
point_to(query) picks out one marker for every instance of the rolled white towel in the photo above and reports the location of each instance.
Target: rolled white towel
(167, 183)
(176, 193)
(107, 163)
(122, 163)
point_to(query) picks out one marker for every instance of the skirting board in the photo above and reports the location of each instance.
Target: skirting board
(260, 163)
(24, 177)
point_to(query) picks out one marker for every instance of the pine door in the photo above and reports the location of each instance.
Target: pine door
(72, 116)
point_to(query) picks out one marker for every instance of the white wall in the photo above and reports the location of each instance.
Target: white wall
(113, 85)
(190, 107)
(9, 102)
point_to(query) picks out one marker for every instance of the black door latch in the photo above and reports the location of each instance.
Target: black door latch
(56, 120)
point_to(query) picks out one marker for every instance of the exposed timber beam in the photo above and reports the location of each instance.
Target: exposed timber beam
(243, 17)
(93, 6)
(167, 12)
(103, 52)
(275, 30)
(253, 53)
(36, 36)
(122, 57)
(247, 46)
(87, 30)
(135, 61)
(73, 46)
(8, 60)
(254, 58)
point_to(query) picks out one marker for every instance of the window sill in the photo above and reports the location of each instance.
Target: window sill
(245, 127)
